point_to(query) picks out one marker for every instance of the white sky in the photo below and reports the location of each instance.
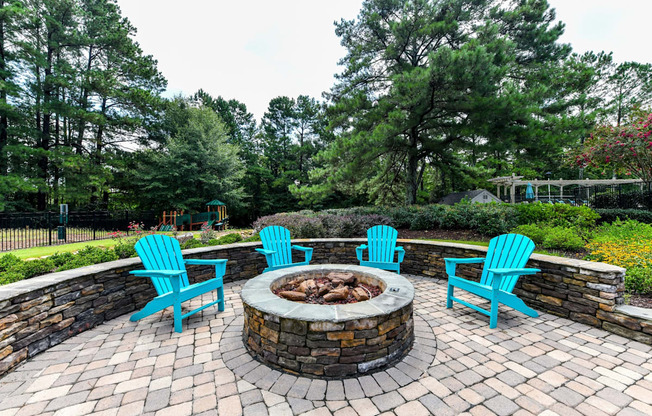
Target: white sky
(255, 50)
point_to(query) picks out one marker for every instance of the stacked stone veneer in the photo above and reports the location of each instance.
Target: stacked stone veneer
(329, 349)
(328, 341)
(43, 311)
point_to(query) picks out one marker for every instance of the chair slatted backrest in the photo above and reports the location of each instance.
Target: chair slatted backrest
(381, 240)
(160, 252)
(507, 251)
(276, 238)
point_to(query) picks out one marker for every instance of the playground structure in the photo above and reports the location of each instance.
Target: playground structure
(215, 217)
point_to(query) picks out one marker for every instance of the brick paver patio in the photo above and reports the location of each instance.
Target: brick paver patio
(547, 366)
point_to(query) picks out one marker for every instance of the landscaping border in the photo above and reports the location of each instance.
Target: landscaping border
(41, 312)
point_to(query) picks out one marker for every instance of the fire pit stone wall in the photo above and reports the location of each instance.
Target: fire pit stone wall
(328, 341)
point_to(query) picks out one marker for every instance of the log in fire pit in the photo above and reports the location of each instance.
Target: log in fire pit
(310, 337)
(334, 288)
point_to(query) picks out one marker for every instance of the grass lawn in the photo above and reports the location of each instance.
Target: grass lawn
(36, 252)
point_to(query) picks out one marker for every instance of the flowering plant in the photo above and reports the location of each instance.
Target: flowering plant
(207, 233)
(624, 149)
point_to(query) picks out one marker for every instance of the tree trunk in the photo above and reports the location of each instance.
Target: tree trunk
(411, 176)
(4, 122)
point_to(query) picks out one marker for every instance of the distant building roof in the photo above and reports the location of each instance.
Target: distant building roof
(452, 199)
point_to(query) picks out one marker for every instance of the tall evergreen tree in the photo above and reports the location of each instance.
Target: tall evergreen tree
(423, 79)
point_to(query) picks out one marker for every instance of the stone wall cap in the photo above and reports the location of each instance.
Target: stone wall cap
(41, 282)
(257, 294)
(635, 311)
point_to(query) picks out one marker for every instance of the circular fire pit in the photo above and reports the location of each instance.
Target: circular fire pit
(328, 341)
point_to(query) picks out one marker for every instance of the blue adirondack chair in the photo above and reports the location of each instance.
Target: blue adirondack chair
(506, 257)
(381, 243)
(164, 264)
(277, 248)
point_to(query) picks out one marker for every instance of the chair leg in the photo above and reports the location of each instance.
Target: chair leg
(449, 296)
(220, 294)
(177, 316)
(493, 316)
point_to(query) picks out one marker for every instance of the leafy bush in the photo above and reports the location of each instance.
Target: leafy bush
(125, 249)
(534, 232)
(35, 267)
(611, 215)
(8, 261)
(552, 237)
(88, 256)
(562, 215)
(639, 280)
(225, 239)
(192, 243)
(322, 225)
(631, 199)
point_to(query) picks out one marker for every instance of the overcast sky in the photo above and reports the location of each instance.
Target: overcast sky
(255, 50)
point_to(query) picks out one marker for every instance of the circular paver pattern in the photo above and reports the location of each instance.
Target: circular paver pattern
(548, 365)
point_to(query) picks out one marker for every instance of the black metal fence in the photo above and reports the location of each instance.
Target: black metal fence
(34, 229)
(622, 196)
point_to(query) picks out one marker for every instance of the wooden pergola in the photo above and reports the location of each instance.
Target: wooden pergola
(509, 184)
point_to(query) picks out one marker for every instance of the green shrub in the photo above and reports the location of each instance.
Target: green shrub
(563, 238)
(551, 237)
(125, 249)
(229, 239)
(88, 256)
(561, 215)
(253, 238)
(8, 261)
(33, 268)
(192, 243)
(611, 215)
(639, 280)
(59, 259)
(534, 232)
(10, 277)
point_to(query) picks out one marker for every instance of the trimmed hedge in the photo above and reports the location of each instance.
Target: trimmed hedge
(308, 224)
(611, 215)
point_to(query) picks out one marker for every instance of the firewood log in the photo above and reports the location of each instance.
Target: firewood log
(292, 295)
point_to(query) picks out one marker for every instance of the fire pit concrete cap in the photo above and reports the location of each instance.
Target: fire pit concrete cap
(398, 293)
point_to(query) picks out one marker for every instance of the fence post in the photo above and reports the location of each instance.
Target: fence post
(93, 225)
(49, 229)
(127, 220)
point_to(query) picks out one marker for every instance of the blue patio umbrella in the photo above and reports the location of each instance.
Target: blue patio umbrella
(529, 193)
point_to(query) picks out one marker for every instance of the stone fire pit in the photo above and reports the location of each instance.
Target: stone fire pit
(328, 341)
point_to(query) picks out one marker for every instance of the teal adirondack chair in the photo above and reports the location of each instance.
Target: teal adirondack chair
(381, 243)
(277, 248)
(506, 257)
(164, 264)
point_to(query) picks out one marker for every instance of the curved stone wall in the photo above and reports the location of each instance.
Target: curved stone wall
(41, 312)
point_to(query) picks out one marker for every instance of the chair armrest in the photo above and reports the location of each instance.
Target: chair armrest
(466, 260)
(359, 250)
(265, 252)
(205, 261)
(401, 253)
(511, 272)
(300, 248)
(306, 250)
(168, 274)
(451, 263)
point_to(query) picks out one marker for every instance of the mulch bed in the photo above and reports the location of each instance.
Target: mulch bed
(641, 301)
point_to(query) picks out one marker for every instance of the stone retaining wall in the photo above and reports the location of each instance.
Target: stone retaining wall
(41, 312)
